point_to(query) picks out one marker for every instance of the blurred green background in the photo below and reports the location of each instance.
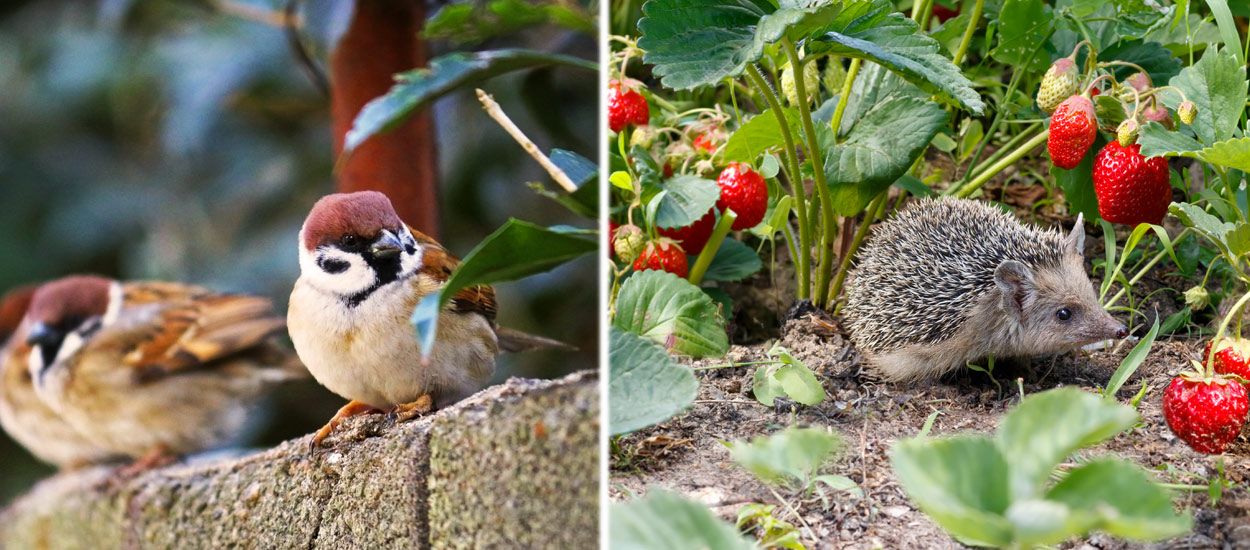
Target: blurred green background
(169, 140)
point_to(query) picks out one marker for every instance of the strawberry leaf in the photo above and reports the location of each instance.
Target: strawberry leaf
(1217, 86)
(960, 482)
(790, 458)
(1022, 27)
(734, 261)
(665, 520)
(671, 312)
(645, 385)
(1119, 498)
(686, 199)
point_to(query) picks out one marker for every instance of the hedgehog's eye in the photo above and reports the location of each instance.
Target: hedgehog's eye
(1063, 314)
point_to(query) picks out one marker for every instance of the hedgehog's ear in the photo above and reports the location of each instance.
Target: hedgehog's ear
(1075, 241)
(1015, 280)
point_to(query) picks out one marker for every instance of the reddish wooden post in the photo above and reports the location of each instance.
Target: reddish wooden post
(383, 39)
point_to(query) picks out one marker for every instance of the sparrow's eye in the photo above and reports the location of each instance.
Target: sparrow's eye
(349, 241)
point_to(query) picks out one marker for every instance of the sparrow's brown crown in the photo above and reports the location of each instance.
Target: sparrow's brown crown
(363, 214)
(70, 299)
(13, 307)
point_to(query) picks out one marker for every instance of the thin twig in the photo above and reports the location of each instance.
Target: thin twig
(492, 108)
(255, 14)
(291, 25)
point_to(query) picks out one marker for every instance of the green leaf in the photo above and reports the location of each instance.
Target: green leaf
(645, 385)
(1215, 230)
(687, 199)
(874, 85)
(734, 261)
(516, 250)
(760, 134)
(1022, 27)
(418, 87)
(765, 387)
(1230, 153)
(1158, 61)
(1120, 498)
(1043, 522)
(585, 200)
(671, 312)
(960, 482)
(795, 379)
(473, 22)
(878, 150)
(870, 31)
(791, 457)
(1070, 418)
(1157, 141)
(1131, 362)
(666, 520)
(1217, 86)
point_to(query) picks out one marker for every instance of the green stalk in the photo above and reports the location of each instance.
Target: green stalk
(840, 110)
(1002, 163)
(1209, 368)
(968, 32)
(1145, 268)
(1011, 144)
(875, 209)
(796, 180)
(818, 172)
(713, 244)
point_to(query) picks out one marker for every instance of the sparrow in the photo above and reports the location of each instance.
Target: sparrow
(26, 418)
(152, 370)
(362, 272)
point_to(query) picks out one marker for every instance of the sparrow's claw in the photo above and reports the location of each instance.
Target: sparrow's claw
(157, 457)
(352, 408)
(407, 411)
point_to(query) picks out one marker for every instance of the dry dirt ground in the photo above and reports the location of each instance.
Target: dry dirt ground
(686, 454)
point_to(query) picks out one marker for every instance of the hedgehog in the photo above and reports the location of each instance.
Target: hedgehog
(950, 281)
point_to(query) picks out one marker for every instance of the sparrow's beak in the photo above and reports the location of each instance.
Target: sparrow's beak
(47, 340)
(387, 246)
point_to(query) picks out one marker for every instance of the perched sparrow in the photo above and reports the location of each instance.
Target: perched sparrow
(362, 271)
(151, 369)
(28, 420)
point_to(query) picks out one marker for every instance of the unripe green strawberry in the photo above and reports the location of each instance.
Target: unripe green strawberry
(835, 75)
(1187, 111)
(1197, 298)
(1060, 82)
(1126, 134)
(643, 136)
(627, 242)
(1130, 188)
(1073, 129)
(811, 80)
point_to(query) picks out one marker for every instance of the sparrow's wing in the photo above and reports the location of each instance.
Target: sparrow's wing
(196, 327)
(438, 264)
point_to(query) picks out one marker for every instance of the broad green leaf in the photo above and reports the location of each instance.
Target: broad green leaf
(734, 261)
(1230, 153)
(800, 384)
(645, 385)
(473, 22)
(1069, 418)
(418, 87)
(878, 150)
(960, 482)
(1217, 86)
(791, 457)
(1211, 227)
(1043, 522)
(873, 85)
(1157, 141)
(665, 520)
(671, 312)
(765, 387)
(1121, 499)
(1022, 27)
(517, 249)
(1131, 362)
(1159, 63)
(687, 198)
(760, 134)
(1078, 184)
(869, 30)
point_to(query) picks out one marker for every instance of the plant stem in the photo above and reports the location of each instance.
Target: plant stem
(815, 155)
(1145, 268)
(968, 32)
(1011, 144)
(840, 110)
(1209, 367)
(1002, 163)
(713, 244)
(874, 211)
(795, 177)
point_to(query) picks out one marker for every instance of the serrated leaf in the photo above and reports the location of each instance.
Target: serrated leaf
(418, 87)
(671, 312)
(1157, 141)
(1217, 86)
(1119, 498)
(1109, 112)
(734, 261)
(760, 134)
(1070, 418)
(665, 520)
(873, 85)
(791, 457)
(1209, 226)
(1022, 27)
(878, 150)
(645, 385)
(1158, 61)
(960, 482)
(687, 198)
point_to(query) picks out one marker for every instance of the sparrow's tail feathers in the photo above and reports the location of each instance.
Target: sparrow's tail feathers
(515, 341)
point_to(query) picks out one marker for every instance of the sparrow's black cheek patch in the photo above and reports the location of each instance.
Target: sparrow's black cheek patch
(332, 266)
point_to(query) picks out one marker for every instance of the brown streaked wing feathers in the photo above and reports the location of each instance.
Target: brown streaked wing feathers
(438, 263)
(198, 327)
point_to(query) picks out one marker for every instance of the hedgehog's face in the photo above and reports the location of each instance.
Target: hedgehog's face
(1056, 307)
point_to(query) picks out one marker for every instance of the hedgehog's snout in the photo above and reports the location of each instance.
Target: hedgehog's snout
(1121, 332)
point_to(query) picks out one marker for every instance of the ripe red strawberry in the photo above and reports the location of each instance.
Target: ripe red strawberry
(1073, 129)
(1205, 414)
(663, 255)
(705, 142)
(626, 106)
(692, 237)
(743, 190)
(1131, 189)
(1231, 357)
